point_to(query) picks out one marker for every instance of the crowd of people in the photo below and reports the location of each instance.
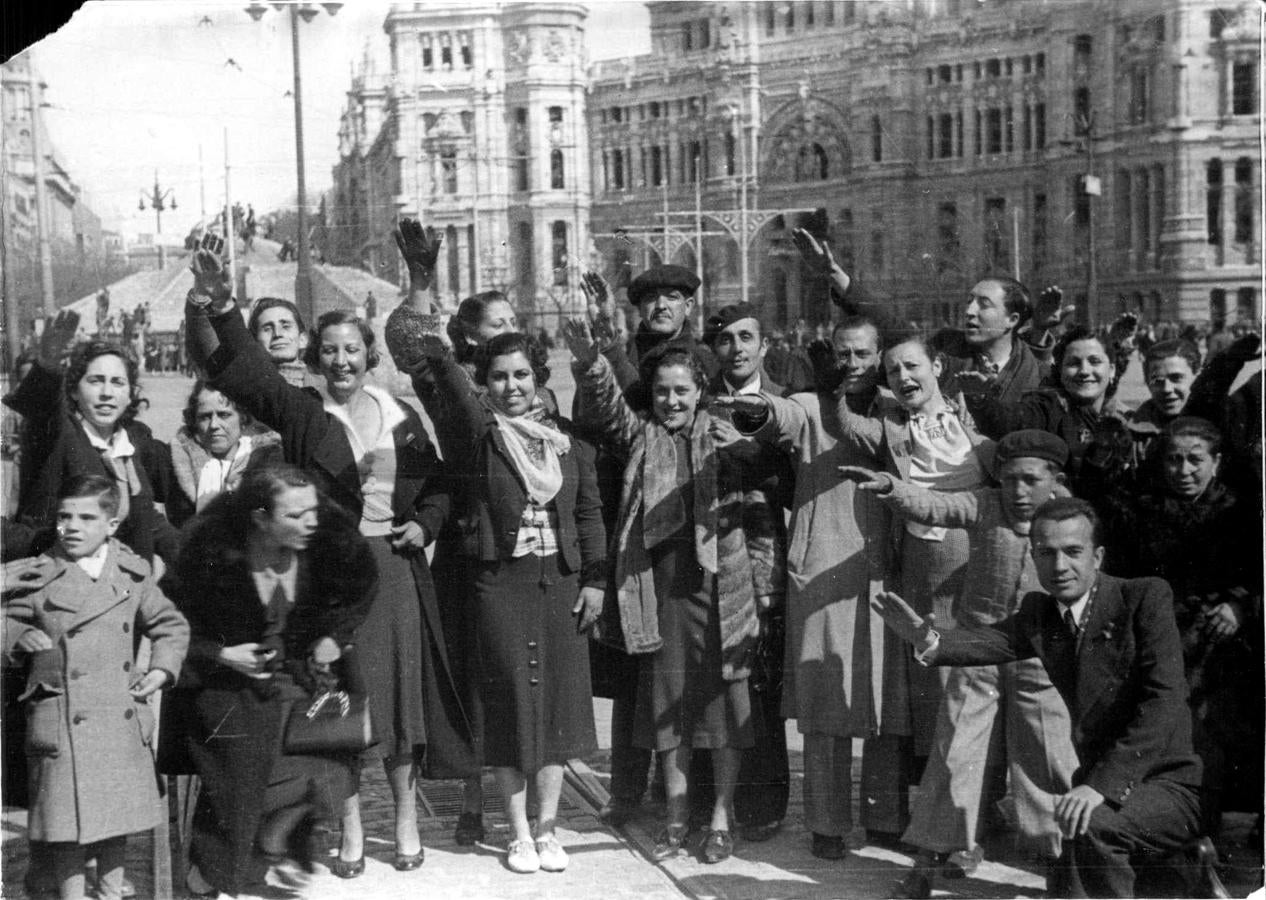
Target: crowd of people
(1039, 611)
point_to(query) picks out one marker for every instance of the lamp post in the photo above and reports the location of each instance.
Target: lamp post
(735, 117)
(307, 12)
(158, 202)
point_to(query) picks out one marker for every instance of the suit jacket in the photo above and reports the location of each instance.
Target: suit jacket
(1123, 680)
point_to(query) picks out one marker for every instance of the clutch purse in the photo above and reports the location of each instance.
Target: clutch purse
(334, 722)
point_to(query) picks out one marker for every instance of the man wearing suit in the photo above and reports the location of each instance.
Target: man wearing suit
(1112, 650)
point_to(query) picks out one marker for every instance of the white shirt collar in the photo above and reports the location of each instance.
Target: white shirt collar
(95, 562)
(119, 446)
(1078, 608)
(750, 389)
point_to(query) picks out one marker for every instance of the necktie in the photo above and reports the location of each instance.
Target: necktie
(1070, 623)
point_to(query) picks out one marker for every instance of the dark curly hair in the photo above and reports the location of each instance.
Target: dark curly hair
(1072, 336)
(190, 413)
(77, 367)
(312, 355)
(1015, 297)
(1195, 427)
(463, 324)
(1174, 349)
(508, 343)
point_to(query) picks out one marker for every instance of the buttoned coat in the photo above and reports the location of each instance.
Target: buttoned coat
(100, 780)
(1122, 680)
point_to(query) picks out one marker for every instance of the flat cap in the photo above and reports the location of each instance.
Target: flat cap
(1034, 444)
(657, 278)
(726, 316)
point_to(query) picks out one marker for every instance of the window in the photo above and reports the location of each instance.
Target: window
(448, 171)
(557, 181)
(808, 14)
(980, 133)
(522, 165)
(1026, 132)
(1039, 126)
(687, 36)
(771, 19)
(1217, 306)
(1008, 128)
(947, 241)
(850, 13)
(843, 240)
(617, 114)
(446, 56)
(945, 135)
(730, 150)
(468, 58)
(1143, 197)
(695, 161)
(1219, 19)
(1039, 232)
(1138, 108)
(812, 164)
(791, 17)
(428, 59)
(828, 13)
(654, 110)
(705, 34)
(993, 68)
(931, 133)
(1243, 83)
(558, 238)
(997, 257)
(617, 169)
(1081, 111)
(993, 131)
(1243, 200)
(657, 166)
(877, 250)
(526, 265)
(876, 139)
(454, 260)
(1039, 65)
(1124, 211)
(944, 74)
(1213, 201)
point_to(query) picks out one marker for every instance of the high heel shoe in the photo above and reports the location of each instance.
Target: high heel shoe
(408, 863)
(344, 869)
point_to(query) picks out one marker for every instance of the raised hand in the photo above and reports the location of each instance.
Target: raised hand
(419, 249)
(866, 480)
(1123, 330)
(58, 335)
(816, 254)
(1050, 308)
(210, 274)
(580, 342)
(596, 290)
(901, 618)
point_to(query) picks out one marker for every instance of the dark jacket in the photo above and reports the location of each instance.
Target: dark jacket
(1023, 372)
(495, 495)
(627, 360)
(57, 449)
(1124, 686)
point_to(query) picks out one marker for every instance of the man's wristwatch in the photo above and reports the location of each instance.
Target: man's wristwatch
(205, 301)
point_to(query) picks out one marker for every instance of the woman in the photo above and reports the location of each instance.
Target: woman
(274, 580)
(371, 455)
(212, 453)
(534, 538)
(1190, 529)
(929, 441)
(1078, 409)
(83, 422)
(693, 566)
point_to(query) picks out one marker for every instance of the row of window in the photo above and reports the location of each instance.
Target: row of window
(682, 108)
(440, 51)
(1244, 199)
(1140, 207)
(998, 67)
(994, 132)
(658, 165)
(808, 15)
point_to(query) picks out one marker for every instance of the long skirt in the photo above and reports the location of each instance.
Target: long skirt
(234, 739)
(682, 697)
(532, 665)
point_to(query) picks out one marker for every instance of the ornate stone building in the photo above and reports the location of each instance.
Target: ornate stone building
(1108, 143)
(477, 125)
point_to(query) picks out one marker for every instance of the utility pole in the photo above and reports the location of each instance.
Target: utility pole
(41, 198)
(12, 316)
(229, 237)
(303, 278)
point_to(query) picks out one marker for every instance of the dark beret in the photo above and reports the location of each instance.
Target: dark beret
(653, 280)
(1030, 442)
(726, 316)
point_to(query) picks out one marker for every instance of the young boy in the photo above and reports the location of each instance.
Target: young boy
(77, 615)
(1039, 751)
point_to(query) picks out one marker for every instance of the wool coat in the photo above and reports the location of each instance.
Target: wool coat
(188, 458)
(722, 544)
(58, 448)
(89, 743)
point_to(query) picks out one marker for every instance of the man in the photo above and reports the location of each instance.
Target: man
(664, 296)
(760, 802)
(837, 557)
(1038, 741)
(1112, 650)
(277, 327)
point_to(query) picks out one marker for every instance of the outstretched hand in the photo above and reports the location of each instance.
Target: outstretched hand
(419, 249)
(210, 274)
(816, 254)
(898, 615)
(58, 336)
(580, 342)
(1123, 330)
(753, 405)
(866, 480)
(596, 290)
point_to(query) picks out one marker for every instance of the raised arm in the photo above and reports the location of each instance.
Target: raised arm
(415, 317)
(959, 509)
(864, 433)
(600, 405)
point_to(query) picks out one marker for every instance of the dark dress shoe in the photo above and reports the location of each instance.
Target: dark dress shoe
(409, 863)
(617, 811)
(1208, 884)
(915, 886)
(718, 846)
(886, 839)
(470, 829)
(826, 846)
(669, 842)
(760, 833)
(344, 869)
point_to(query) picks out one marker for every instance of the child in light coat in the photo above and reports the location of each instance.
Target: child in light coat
(76, 617)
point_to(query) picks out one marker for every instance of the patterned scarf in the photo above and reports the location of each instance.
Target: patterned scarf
(534, 446)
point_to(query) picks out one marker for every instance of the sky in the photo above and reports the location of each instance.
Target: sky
(136, 87)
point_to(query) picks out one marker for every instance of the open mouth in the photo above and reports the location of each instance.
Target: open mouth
(909, 390)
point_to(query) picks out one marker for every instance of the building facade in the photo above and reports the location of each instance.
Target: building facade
(476, 125)
(1106, 146)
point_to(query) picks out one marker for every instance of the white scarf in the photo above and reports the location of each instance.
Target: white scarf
(543, 477)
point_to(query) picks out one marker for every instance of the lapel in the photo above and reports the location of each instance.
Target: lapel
(1099, 649)
(897, 436)
(112, 588)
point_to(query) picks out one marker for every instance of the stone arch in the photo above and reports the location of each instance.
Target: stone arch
(806, 140)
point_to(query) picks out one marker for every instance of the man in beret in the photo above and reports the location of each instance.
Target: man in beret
(1039, 751)
(665, 298)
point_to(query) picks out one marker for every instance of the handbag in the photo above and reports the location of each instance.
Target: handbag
(334, 722)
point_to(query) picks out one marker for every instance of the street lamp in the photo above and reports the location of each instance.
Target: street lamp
(307, 12)
(734, 115)
(158, 202)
